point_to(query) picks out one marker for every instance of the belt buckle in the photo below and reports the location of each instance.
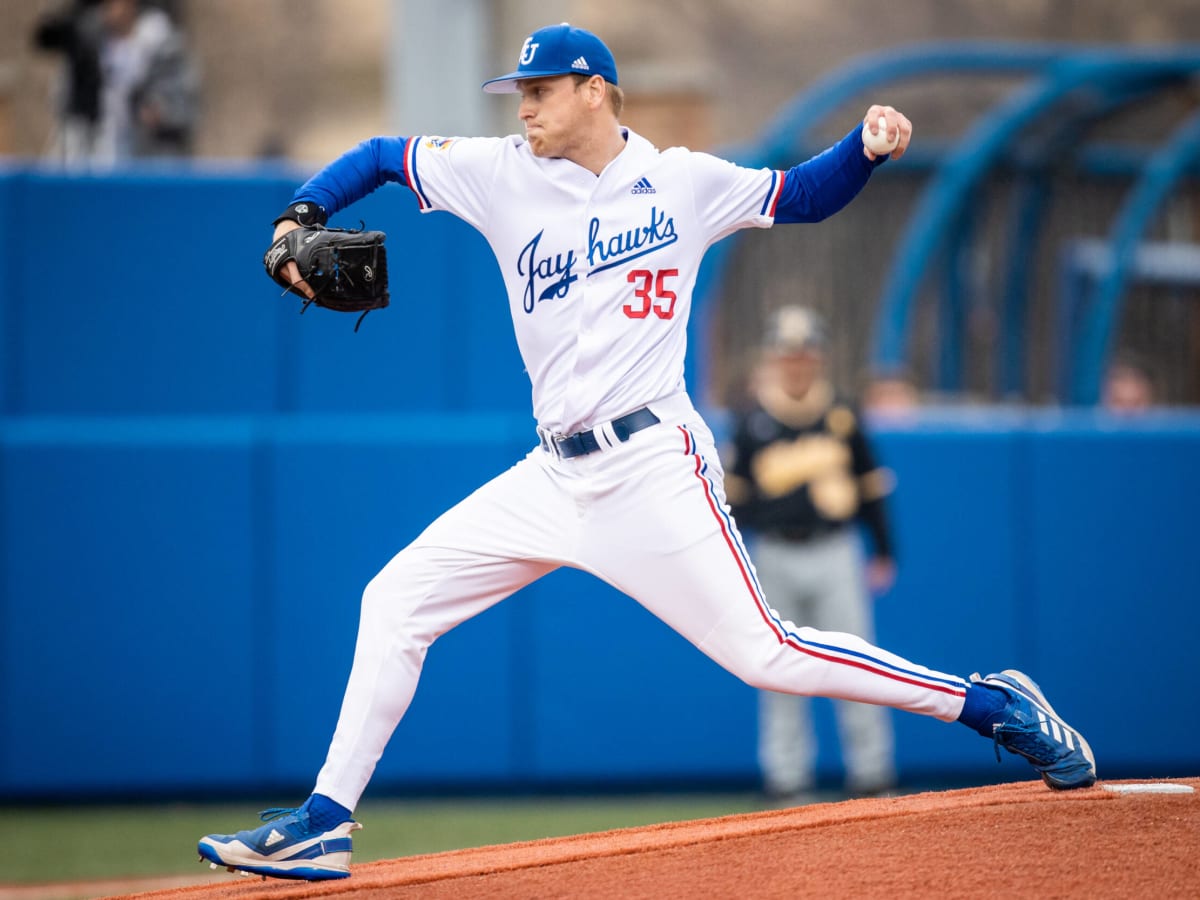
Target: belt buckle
(551, 441)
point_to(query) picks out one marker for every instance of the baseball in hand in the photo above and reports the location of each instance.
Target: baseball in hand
(879, 143)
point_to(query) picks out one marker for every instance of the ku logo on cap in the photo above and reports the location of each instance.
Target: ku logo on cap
(528, 49)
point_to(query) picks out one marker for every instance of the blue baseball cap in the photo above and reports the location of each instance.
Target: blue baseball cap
(557, 50)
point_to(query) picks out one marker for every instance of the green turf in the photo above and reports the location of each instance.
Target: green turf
(44, 844)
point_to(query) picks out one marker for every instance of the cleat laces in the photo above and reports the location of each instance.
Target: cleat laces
(1026, 740)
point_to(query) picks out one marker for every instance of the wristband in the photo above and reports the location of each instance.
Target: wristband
(303, 212)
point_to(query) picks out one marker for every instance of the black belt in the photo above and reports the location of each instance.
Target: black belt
(584, 442)
(803, 533)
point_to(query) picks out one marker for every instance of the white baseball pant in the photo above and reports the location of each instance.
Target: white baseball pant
(649, 517)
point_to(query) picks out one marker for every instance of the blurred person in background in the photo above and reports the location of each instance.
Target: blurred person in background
(801, 474)
(129, 88)
(1128, 386)
(891, 395)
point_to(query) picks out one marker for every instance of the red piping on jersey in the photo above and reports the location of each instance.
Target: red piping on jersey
(778, 194)
(410, 153)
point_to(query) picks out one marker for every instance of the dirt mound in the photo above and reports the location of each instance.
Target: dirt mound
(1001, 841)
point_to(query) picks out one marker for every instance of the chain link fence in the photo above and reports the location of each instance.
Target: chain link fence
(838, 267)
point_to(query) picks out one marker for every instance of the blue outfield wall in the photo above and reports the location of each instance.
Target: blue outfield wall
(196, 483)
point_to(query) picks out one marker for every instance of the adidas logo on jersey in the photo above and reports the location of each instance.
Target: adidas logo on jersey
(643, 186)
(581, 63)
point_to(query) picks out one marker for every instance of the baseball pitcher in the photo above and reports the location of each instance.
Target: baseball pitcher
(599, 236)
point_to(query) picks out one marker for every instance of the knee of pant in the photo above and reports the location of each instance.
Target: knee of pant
(397, 613)
(772, 673)
(373, 594)
(759, 676)
(380, 604)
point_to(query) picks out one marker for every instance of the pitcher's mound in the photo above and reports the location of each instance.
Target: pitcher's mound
(1005, 841)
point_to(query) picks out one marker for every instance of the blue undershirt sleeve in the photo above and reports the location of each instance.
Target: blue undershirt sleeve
(816, 189)
(356, 173)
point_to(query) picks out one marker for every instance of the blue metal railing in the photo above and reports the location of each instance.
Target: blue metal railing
(1079, 84)
(1165, 169)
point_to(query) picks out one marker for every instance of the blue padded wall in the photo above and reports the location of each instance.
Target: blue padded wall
(197, 484)
(175, 313)
(1111, 531)
(129, 625)
(166, 313)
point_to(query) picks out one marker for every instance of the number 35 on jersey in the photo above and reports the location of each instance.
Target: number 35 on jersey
(652, 293)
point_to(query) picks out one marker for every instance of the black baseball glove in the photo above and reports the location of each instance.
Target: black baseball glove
(346, 268)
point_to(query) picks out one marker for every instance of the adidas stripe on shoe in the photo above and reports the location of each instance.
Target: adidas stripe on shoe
(288, 846)
(1031, 728)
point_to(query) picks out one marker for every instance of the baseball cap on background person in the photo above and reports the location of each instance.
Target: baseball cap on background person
(557, 50)
(795, 329)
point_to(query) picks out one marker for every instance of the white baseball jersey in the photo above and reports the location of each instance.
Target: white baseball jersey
(599, 270)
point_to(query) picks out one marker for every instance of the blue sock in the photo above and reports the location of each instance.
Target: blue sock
(323, 813)
(983, 708)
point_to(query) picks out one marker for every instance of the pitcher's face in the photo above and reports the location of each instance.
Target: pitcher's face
(554, 111)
